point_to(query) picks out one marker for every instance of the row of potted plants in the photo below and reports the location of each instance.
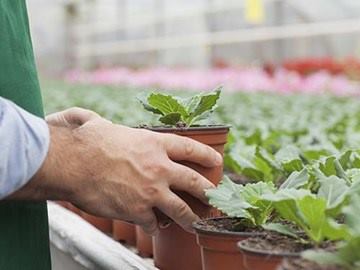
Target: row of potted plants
(246, 79)
(121, 231)
(349, 67)
(292, 199)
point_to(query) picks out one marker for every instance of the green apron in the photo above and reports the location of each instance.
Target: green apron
(24, 234)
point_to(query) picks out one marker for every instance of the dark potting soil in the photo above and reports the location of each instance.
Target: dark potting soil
(275, 243)
(226, 225)
(302, 264)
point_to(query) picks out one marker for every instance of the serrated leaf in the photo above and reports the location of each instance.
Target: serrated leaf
(287, 194)
(191, 103)
(206, 104)
(242, 201)
(166, 104)
(227, 198)
(142, 98)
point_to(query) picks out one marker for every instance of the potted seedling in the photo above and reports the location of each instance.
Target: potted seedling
(175, 249)
(246, 214)
(312, 216)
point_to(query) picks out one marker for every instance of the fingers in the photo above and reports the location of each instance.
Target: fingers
(186, 179)
(178, 210)
(182, 148)
(148, 222)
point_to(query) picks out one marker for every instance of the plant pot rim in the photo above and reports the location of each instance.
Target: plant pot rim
(215, 127)
(243, 248)
(200, 230)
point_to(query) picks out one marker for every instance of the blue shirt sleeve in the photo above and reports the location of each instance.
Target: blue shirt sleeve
(24, 143)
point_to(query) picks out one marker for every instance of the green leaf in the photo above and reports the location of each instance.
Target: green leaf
(191, 103)
(296, 179)
(328, 166)
(170, 119)
(313, 211)
(344, 159)
(352, 214)
(353, 174)
(191, 110)
(166, 104)
(323, 257)
(246, 166)
(308, 212)
(334, 190)
(143, 100)
(287, 194)
(227, 198)
(206, 105)
(289, 158)
(280, 228)
(242, 201)
(268, 158)
(347, 255)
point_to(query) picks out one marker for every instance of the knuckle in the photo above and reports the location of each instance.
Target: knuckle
(182, 210)
(159, 169)
(152, 192)
(189, 146)
(179, 208)
(142, 208)
(154, 170)
(74, 109)
(194, 180)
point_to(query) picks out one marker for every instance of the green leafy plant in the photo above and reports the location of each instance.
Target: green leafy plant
(179, 111)
(243, 202)
(347, 254)
(308, 212)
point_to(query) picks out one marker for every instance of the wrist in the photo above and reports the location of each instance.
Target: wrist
(58, 174)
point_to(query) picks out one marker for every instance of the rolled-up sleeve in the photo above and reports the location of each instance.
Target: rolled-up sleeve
(24, 143)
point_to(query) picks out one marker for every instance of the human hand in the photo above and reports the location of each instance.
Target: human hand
(141, 173)
(122, 173)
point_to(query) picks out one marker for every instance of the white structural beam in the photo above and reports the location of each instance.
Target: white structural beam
(100, 27)
(292, 31)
